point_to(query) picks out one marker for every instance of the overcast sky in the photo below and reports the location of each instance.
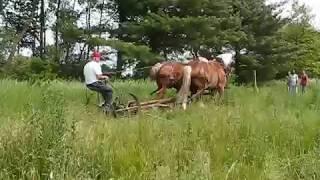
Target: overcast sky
(314, 6)
(315, 10)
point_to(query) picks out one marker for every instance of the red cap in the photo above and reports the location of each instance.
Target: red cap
(96, 55)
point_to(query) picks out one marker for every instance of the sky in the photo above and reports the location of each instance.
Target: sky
(314, 6)
(315, 9)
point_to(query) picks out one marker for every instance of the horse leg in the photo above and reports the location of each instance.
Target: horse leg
(155, 91)
(212, 92)
(197, 88)
(194, 91)
(197, 94)
(159, 84)
(161, 92)
(221, 94)
(221, 87)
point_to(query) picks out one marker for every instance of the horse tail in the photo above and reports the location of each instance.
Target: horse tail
(222, 80)
(185, 87)
(154, 71)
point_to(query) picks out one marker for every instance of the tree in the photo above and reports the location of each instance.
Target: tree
(177, 26)
(21, 16)
(303, 38)
(42, 30)
(259, 25)
(6, 39)
(204, 27)
(55, 6)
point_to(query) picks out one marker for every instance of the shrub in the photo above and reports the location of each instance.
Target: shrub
(31, 69)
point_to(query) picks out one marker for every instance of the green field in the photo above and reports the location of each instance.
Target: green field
(51, 131)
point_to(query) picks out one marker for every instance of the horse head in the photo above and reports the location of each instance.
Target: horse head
(228, 67)
(154, 71)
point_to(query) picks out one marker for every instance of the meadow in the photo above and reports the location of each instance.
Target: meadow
(55, 131)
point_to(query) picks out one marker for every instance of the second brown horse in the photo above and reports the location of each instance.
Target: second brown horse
(207, 75)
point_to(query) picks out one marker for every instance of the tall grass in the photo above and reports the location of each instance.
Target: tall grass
(52, 132)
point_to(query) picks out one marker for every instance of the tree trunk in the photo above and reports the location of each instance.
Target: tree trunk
(81, 52)
(237, 65)
(119, 61)
(88, 28)
(42, 29)
(74, 4)
(122, 19)
(20, 35)
(255, 81)
(18, 48)
(100, 21)
(17, 40)
(165, 54)
(57, 30)
(34, 46)
(67, 53)
(44, 41)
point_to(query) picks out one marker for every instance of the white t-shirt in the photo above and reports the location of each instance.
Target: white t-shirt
(90, 71)
(293, 79)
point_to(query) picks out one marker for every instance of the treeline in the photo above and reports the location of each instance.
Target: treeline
(152, 30)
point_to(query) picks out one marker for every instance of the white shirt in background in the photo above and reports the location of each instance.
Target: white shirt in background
(293, 79)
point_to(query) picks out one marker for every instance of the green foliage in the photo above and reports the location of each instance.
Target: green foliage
(204, 27)
(30, 69)
(256, 17)
(288, 44)
(6, 37)
(305, 42)
(20, 17)
(129, 50)
(300, 42)
(177, 26)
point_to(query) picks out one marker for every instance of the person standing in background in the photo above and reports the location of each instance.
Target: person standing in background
(288, 81)
(293, 83)
(304, 81)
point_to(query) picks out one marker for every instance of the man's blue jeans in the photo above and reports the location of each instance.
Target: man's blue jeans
(104, 89)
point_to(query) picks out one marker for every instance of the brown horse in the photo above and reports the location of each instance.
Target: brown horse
(228, 68)
(167, 75)
(207, 75)
(195, 76)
